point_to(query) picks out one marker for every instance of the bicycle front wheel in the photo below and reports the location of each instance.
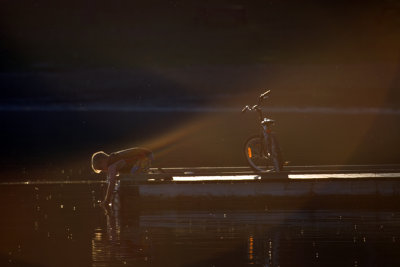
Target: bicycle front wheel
(255, 154)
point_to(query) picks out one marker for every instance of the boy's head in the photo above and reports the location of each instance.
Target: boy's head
(99, 161)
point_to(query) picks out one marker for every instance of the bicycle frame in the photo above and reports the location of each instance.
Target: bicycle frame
(265, 124)
(266, 133)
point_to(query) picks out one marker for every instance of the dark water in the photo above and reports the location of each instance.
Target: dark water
(61, 225)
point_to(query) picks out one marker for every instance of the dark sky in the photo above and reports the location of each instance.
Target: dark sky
(131, 41)
(144, 37)
(45, 34)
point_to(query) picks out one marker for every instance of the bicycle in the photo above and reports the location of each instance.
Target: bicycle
(262, 150)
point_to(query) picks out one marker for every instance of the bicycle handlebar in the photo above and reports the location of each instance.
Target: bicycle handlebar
(253, 108)
(246, 108)
(264, 96)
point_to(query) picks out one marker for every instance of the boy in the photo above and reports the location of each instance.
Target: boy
(133, 160)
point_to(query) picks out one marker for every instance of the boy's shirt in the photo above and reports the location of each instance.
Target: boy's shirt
(130, 157)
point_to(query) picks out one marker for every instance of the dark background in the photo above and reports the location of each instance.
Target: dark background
(77, 77)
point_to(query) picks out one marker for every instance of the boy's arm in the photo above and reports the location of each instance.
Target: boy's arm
(111, 178)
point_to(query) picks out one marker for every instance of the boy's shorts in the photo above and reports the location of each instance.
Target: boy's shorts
(142, 165)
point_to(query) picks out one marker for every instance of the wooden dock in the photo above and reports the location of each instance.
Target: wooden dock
(379, 182)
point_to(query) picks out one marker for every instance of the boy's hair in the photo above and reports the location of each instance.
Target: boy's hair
(97, 161)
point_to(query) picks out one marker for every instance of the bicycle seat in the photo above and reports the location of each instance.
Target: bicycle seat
(267, 121)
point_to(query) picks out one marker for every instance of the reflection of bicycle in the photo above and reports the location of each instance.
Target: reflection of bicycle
(262, 150)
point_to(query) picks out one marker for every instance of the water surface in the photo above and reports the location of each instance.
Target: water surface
(61, 225)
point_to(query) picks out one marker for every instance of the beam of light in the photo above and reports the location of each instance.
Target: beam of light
(181, 138)
(163, 145)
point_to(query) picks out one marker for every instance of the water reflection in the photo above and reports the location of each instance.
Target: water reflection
(61, 225)
(273, 238)
(116, 244)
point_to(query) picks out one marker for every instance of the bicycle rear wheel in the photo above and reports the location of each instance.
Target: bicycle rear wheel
(258, 159)
(255, 154)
